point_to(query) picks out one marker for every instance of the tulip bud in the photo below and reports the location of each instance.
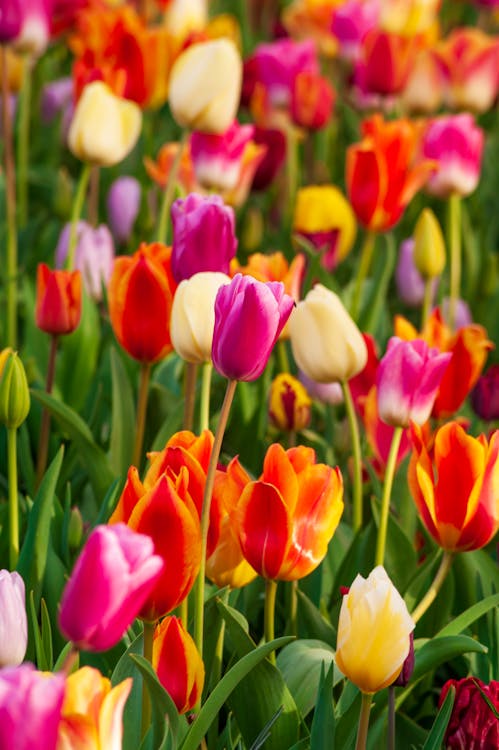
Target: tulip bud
(289, 403)
(75, 529)
(327, 345)
(407, 667)
(429, 245)
(13, 620)
(123, 203)
(58, 300)
(325, 393)
(56, 97)
(410, 283)
(94, 256)
(485, 395)
(193, 315)
(105, 127)
(205, 86)
(14, 390)
(178, 663)
(34, 25)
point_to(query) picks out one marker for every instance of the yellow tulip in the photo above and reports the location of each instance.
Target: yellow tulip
(429, 245)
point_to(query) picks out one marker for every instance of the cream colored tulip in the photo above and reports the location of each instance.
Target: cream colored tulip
(373, 632)
(327, 345)
(183, 17)
(205, 86)
(105, 127)
(193, 315)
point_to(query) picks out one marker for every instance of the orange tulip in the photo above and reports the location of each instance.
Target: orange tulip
(178, 663)
(469, 347)
(140, 294)
(456, 488)
(286, 519)
(381, 172)
(274, 267)
(388, 59)
(58, 300)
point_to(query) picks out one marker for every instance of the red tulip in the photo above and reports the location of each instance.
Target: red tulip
(178, 664)
(58, 300)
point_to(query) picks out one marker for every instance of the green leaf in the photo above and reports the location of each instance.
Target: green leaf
(266, 731)
(467, 618)
(313, 622)
(133, 707)
(437, 732)
(46, 635)
(323, 724)
(224, 689)
(42, 661)
(375, 303)
(77, 359)
(439, 650)
(123, 417)
(161, 704)
(301, 664)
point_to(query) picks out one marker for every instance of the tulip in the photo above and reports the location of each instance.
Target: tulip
(455, 488)
(410, 283)
(472, 723)
(249, 316)
(273, 158)
(13, 619)
(178, 664)
(463, 316)
(287, 518)
(92, 711)
(380, 435)
(105, 127)
(58, 300)
(185, 17)
(455, 143)
(352, 20)
(373, 615)
(386, 61)
(10, 21)
(275, 267)
(26, 25)
(193, 315)
(160, 170)
(217, 159)
(327, 345)
(94, 256)
(56, 98)
(409, 17)
(205, 85)
(123, 203)
(325, 393)
(203, 236)
(289, 403)
(422, 93)
(14, 390)
(485, 395)
(140, 296)
(30, 708)
(312, 101)
(112, 578)
(408, 379)
(429, 245)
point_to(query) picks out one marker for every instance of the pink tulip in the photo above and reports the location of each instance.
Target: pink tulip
(408, 378)
(217, 159)
(30, 708)
(123, 205)
(275, 65)
(26, 24)
(113, 576)
(249, 316)
(456, 144)
(352, 20)
(94, 256)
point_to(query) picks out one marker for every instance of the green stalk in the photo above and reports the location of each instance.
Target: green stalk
(78, 202)
(292, 170)
(293, 608)
(148, 640)
(169, 192)
(435, 587)
(43, 442)
(10, 208)
(387, 491)
(282, 355)
(216, 671)
(427, 300)
(357, 460)
(454, 244)
(140, 422)
(23, 143)
(204, 411)
(363, 721)
(13, 502)
(269, 613)
(364, 267)
(190, 377)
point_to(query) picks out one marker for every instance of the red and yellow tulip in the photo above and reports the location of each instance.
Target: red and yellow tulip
(177, 663)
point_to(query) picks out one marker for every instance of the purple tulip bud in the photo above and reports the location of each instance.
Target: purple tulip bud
(203, 236)
(56, 97)
(326, 393)
(485, 395)
(13, 621)
(407, 667)
(463, 313)
(410, 283)
(123, 203)
(249, 316)
(94, 256)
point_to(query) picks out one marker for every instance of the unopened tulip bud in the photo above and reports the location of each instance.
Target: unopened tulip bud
(429, 245)
(123, 203)
(408, 666)
(14, 390)
(75, 528)
(289, 403)
(485, 395)
(178, 663)
(13, 620)
(58, 300)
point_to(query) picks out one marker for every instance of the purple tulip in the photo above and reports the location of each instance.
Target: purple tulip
(94, 256)
(13, 620)
(30, 708)
(463, 313)
(326, 393)
(408, 379)
(203, 236)
(249, 316)
(485, 395)
(112, 578)
(56, 97)
(410, 283)
(123, 203)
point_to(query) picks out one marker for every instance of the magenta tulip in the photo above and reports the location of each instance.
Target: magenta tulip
(203, 236)
(276, 64)
(30, 708)
(26, 24)
(408, 378)
(249, 316)
(10, 20)
(112, 578)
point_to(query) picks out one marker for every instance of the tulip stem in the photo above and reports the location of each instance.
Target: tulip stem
(23, 142)
(216, 670)
(292, 168)
(43, 442)
(169, 192)
(269, 613)
(190, 377)
(365, 709)
(204, 411)
(387, 491)
(184, 612)
(148, 640)
(454, 241)
(282, 355)
(435, 587)
(205, 512)
(293, 607)
(364, 266)
(140, 423)
(391, 718)
(10, 207)
(93, 196)
(357, 461)
(427, 300)
(13, 502)
(79, 199)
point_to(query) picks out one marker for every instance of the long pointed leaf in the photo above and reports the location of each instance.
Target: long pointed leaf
(467, 618)
(123, 417)
(437, 732)
(161, 703)
(323, 724)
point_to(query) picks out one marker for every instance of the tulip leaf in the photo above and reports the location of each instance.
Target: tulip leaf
(91, 455)
(133, 707)
(301, 664)
(314, 623)
(439, 650)
(400, 555)
(437, 732)
(323, 724)
(46, 635)
(78, 357)
(225, 688)
(467, 618)
(109, 503)
(375, 302)
(123, 417)
(42, 660)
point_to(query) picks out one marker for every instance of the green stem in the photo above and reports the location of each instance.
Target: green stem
(216, 671)
(427, 300)
(205, 512)
(293, 608)
(190, 377)
(184, 612)
(13, 502)
(169, 192)
(43, 442)
(365, 709)
(292, 169)
(454, 243)
(391, 718)
(364, 266)
(435, 587)
(23, 143)
(204, 411)
(148, 640)
(10, 207)
(140, 422)
(387, 491)
(282, 355)
(357, 461)
(269, 613)
(78, 202)
(93, 196)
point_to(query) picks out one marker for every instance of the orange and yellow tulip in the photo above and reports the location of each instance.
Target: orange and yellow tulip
(456, 486)
(58, 300)
(178, 663)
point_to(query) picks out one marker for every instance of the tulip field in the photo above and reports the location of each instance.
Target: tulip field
(249, 378)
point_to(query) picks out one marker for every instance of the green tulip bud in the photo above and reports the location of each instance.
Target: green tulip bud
(429, 247)
(14, 390)
(75, 529)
